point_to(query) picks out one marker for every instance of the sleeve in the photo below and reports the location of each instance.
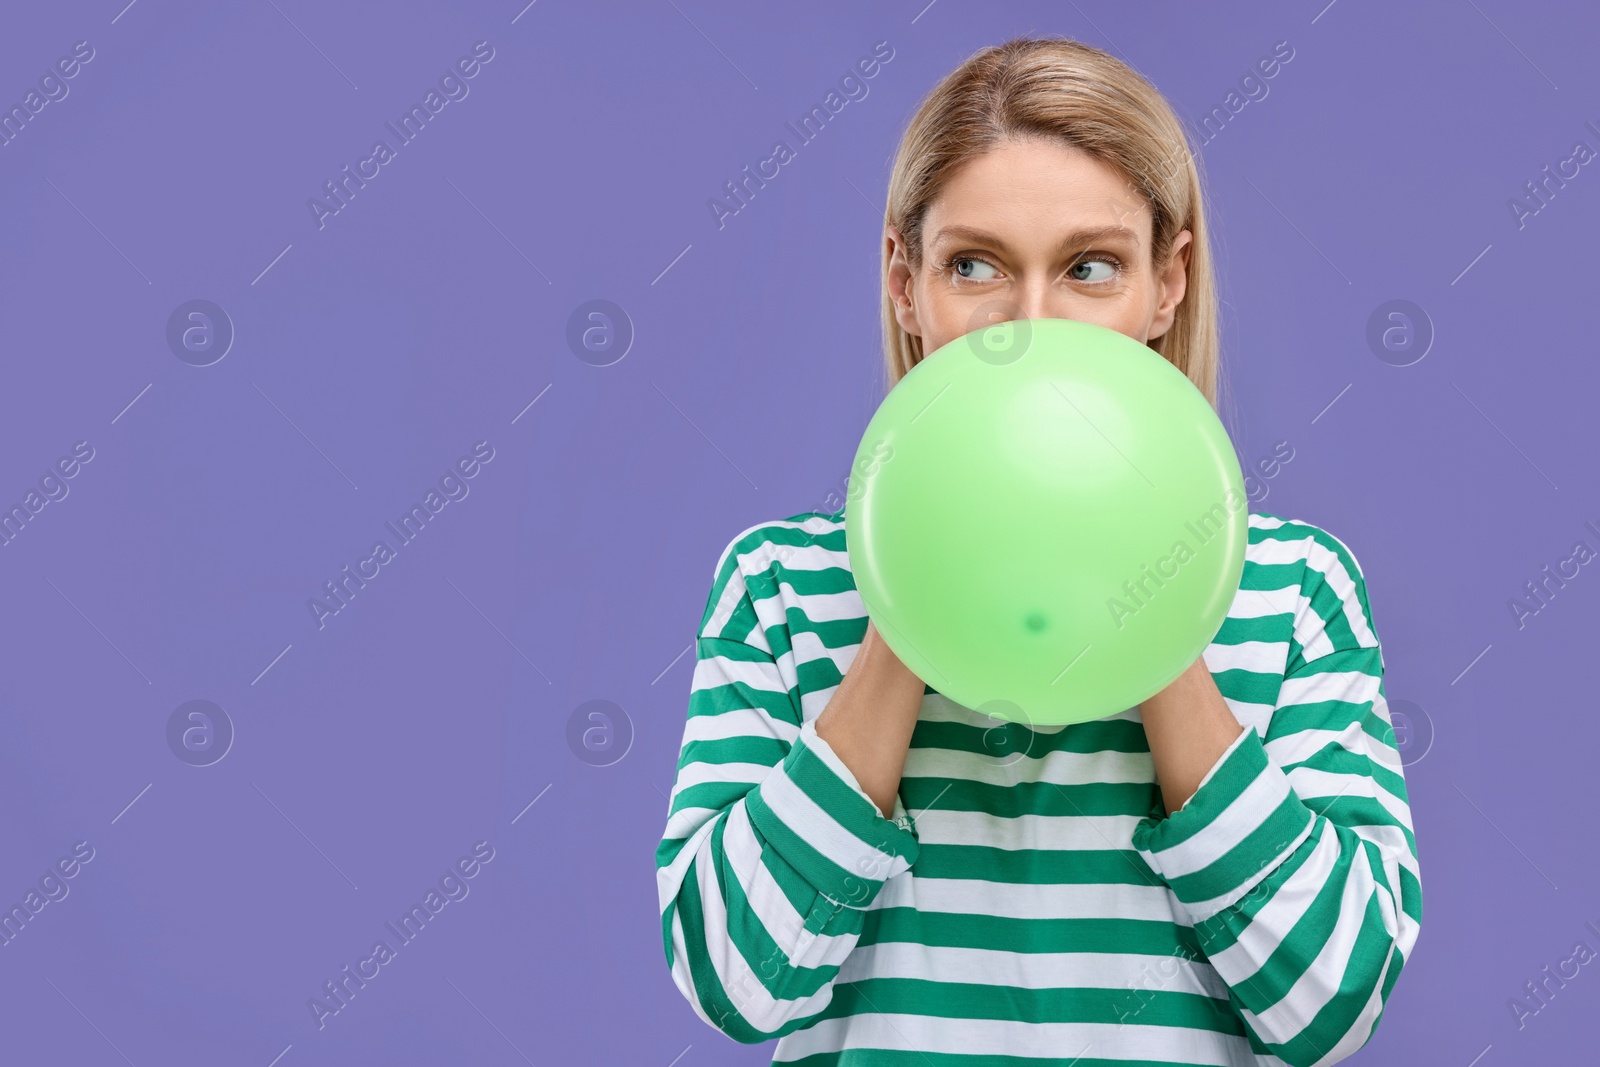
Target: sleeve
(1295, 858)
(772, 850)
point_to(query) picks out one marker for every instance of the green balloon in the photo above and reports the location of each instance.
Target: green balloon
(1046, 521)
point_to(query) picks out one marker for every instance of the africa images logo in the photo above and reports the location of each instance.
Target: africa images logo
(852, 86)
(453, 887)
(452, 87)
(454, 485)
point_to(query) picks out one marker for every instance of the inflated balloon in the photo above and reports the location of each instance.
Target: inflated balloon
(1046, 521)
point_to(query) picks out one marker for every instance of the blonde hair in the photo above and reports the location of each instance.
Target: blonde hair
(1061, 89)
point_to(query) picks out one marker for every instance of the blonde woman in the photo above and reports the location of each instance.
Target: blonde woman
(1225, 874)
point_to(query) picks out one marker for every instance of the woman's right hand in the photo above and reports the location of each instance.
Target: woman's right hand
(868, 721)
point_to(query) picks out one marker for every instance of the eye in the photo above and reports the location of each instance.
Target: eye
(972, 268)
(1081, 270)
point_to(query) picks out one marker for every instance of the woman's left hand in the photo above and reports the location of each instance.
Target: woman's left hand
(1189, 727)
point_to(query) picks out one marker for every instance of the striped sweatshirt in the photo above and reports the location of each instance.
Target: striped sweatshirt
(1031, 901)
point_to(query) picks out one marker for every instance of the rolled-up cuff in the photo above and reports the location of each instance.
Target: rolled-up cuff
(812, 811)
(1242, 822)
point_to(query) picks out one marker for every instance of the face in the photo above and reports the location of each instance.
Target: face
(1036, 229)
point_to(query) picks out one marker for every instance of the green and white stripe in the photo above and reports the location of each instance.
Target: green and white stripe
(1039, 906)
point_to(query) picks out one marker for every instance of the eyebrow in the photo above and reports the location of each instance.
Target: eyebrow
(1077, 237)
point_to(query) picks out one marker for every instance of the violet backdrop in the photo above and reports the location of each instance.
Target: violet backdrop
(728, 383)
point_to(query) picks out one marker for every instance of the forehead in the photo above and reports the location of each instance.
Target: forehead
(1037, 191)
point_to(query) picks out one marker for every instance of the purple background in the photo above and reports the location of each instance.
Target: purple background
(376, 350)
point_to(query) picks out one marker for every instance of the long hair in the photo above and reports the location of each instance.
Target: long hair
(1064, 89)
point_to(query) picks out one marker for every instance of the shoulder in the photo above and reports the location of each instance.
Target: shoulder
(1276, 540)
(1332, 604)
(757, 558)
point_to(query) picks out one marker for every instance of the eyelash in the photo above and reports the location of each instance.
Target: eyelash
(948, 265)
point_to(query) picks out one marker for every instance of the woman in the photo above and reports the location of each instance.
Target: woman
(1225, 874)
